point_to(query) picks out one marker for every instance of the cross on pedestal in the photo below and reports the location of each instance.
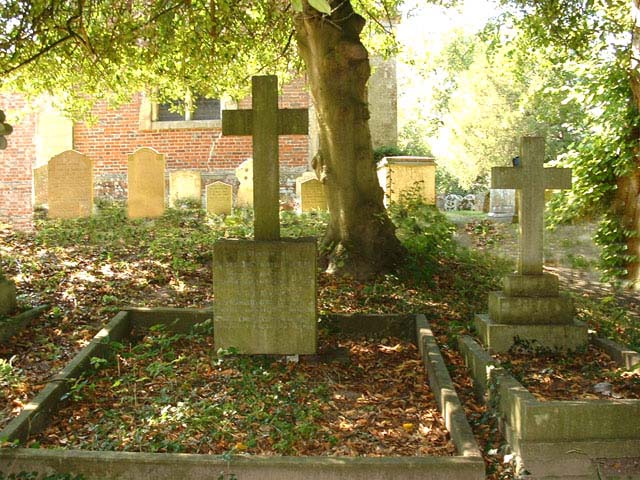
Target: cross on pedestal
(265, 122)
(531, 180)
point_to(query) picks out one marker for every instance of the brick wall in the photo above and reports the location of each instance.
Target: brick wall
(16, 164)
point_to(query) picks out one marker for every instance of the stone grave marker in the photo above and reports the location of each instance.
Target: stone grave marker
(530, 307)
(401, 174)
(265, 289)
(244, 174)
(70, 186)
(7, 287)
(146, 184)
(185, 185)
(40, 185)
(502, 204)
(310, 192)
(219, 198)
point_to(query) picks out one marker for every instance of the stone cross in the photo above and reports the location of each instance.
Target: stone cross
(265, 122)
(531, 180)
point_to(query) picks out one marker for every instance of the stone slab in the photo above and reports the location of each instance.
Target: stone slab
(96, 465)
(624, 357)
(219, 198)
(398, 175)
(544, 285)
(70, 185)
(500, 337)
(145, 184)
(311, 194)
(265, 296)
(444, 390)
(185, 185)
(556, 310)
(244, 174)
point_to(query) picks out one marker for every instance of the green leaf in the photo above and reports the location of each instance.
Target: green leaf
(297, 5)
(321, 5)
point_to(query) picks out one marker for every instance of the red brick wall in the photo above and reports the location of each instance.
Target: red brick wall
(16, 163)
(117, 134)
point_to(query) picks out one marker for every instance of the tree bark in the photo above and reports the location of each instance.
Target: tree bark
(360, 239)
(627, 198)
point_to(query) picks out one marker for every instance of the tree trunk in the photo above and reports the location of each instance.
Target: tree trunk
(627, 199)
(360, 238)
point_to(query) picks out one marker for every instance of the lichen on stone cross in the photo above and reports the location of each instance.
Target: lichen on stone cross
(5, 129)
(265, 122)
(531, 180)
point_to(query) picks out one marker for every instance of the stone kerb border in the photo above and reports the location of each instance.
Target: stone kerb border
(10, 327)
(96, 465)
(554, 438)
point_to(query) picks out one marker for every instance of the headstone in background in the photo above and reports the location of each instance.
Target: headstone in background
(146, 184)
(452, 202)
(185, 185)
(440, 197)
(244, 174)
(468, 202)
(265, 289)
(401, 174)
(40, 185)
(310, 193)
(219, 198)
(502, 204)
(70, 186)
(530, 307)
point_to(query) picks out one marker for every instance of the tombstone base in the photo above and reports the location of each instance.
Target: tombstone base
(543, 285)
(265, 296)
(7, 297)
(557, 309)
(500, 337)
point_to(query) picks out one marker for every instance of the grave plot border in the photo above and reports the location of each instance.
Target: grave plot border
(559, 438)
(11, 326)
(95, 465)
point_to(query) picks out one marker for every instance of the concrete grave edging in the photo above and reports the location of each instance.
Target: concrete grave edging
(11, 326)
(97, 465)
(554, 438)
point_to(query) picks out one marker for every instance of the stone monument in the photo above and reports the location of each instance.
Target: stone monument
(219, 198)
(244, 174)
(185, 185)
(530, 307)
(70, 185)
(145, 180)
(265, 289)
(401, 174)
(502, 204)
(310, 192)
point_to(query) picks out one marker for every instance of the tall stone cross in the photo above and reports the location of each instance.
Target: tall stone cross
(531, 180)
(265, 122)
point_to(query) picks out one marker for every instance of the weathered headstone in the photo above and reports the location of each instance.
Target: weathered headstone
(70, 187)
(146, 184)
(40, 185)
(502, 204)
(185, 185)
(244, 174)
(7, 287)
(219, 198)
(402, 174)
(530, 307)
(265, 290)
(310, 192)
